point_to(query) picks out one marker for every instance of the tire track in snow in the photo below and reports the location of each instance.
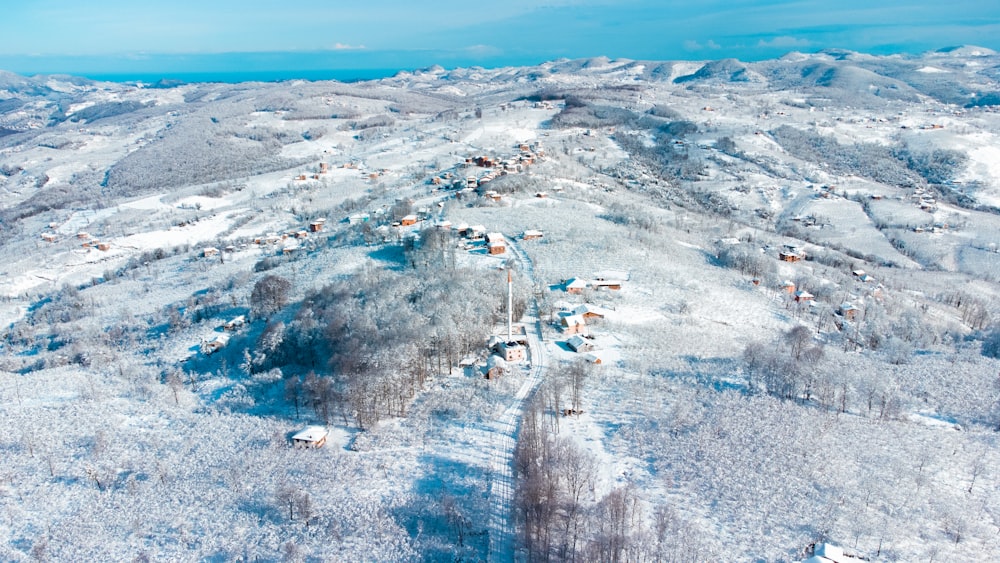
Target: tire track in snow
(502, 530)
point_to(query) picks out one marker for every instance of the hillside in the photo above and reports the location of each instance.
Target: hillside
(757, 304)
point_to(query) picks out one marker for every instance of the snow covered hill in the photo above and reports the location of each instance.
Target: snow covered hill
(766, 293)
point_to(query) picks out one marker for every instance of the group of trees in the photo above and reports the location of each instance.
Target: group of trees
(561, 513)
(375, 337)
(786, 367)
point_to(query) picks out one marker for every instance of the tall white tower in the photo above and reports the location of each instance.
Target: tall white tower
(510, 310)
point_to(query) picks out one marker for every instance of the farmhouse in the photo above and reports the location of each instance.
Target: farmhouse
(575, 286)
(495, 367)
(848, 310)
(475, 232)
(609, 279)
(579, 344)
(496, 243)
(209, 347)
(317, 225)
(498, 247)
(408, 220)
(531, 234)
(235, 323)
(588, 311)
(788, 286)
(790, 256)
(573, 324)
(801, 296)
(311, 437)
(49, 237)
(514, 352)
(511, 351)
(209, 251)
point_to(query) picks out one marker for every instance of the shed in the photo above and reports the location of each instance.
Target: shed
(209, 251)
(49, 237)
(532, 234)
(580, 344)
(408, 220)
(311, 437)
(317, 225)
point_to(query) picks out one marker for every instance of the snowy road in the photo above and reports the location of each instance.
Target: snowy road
(502, 529)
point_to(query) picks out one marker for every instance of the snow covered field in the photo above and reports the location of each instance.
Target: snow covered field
(788, 288)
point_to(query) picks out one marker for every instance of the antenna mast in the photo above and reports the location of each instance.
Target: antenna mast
(510, 311)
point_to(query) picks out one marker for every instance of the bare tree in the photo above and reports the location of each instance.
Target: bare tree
(269, 295)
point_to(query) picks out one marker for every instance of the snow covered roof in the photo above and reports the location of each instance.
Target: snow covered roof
(587, 308)
(573, 320)
(310, 434)
(580, 344)
(611, 275)
(576, 283)
(495, 361)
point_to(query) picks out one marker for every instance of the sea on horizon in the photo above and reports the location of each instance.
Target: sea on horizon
(233, 77)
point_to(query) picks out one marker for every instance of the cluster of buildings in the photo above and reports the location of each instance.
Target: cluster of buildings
(87, 240)
(612, 280)
(575, 322)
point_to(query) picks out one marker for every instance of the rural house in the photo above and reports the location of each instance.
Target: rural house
(579, 344)
(573, 324)
(209, 347)
(311, 437)
(575, 286)
(588, 311)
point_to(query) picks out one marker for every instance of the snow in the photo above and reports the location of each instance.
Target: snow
(671, 410)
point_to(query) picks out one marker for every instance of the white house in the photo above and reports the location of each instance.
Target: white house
(311, 437)
(575, 285)
(573, 324)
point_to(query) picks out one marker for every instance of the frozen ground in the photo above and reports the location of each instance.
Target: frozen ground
(122, 440)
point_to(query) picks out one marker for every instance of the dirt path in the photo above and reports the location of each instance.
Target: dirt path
(502, 529)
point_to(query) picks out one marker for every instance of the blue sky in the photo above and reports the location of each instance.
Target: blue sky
(123, 36)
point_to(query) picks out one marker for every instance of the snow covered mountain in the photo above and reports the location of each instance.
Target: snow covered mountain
(756, 304)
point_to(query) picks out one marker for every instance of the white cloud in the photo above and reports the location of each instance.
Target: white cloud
(784, 41)
(482, 51)
(344, 47)
(692, 45)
